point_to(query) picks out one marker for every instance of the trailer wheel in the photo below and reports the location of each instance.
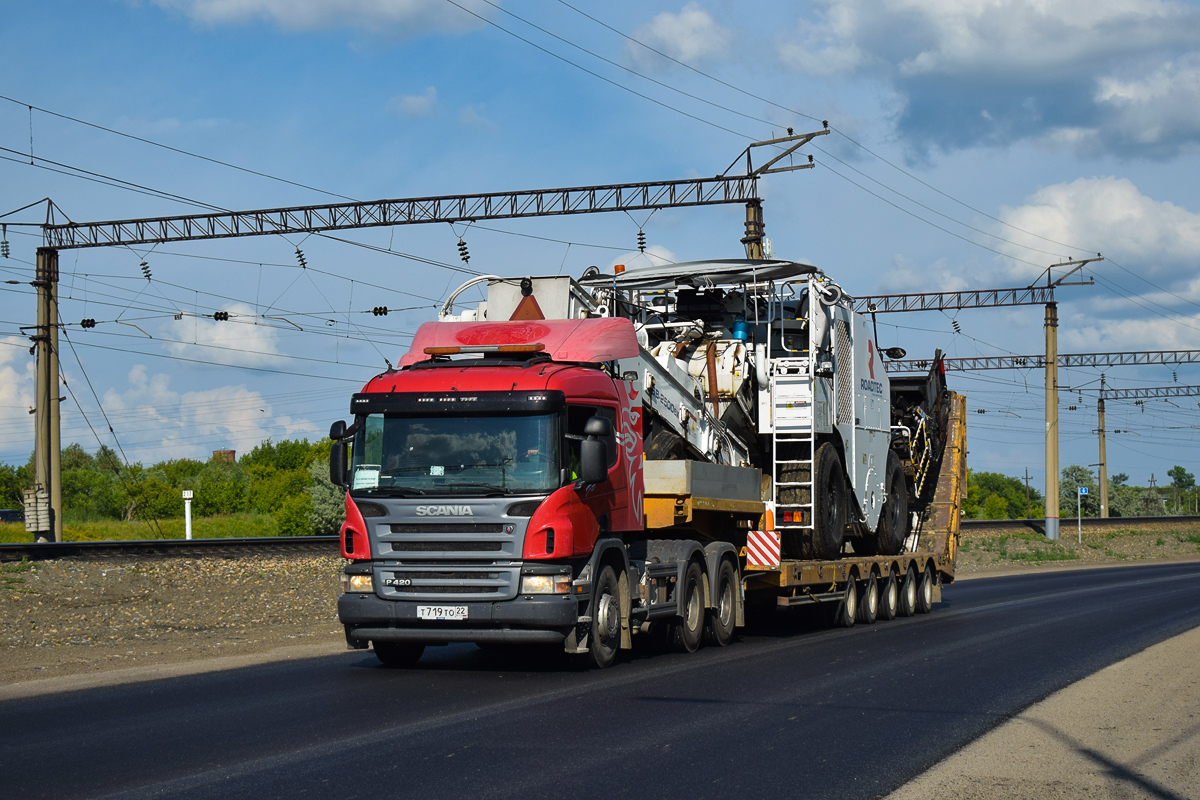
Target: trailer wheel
(687, 632)
(889, 597)
(847, 610)
(925, 592)
(868, 600)
(908, 593)
(829, 504)
(723, 615)
(892, 529)
(604, 636)
(398, 654)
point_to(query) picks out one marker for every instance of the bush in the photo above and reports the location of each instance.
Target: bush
(292, 518)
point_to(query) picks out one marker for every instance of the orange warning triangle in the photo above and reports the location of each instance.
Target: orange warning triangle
(528, 308)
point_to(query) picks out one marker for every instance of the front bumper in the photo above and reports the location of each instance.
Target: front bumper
(528, 619)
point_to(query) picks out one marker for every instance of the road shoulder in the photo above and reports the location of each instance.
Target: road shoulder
(1131, 730)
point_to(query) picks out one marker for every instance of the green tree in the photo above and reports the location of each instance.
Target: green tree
(1120, 479)
(1009, 494)
(1069, 501)
(221, 488)
(1181, 478)
(328, 502)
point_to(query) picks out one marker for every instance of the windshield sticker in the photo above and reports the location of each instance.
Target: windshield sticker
(434, 470)
(366, 476)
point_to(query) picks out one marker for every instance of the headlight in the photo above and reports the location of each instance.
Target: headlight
(545, 584)
(358, 583)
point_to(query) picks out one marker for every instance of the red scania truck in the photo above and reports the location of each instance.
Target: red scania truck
(576, 461)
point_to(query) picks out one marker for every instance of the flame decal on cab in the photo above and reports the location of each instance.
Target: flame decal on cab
(631, 443)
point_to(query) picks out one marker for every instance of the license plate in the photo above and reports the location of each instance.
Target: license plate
(442, 612)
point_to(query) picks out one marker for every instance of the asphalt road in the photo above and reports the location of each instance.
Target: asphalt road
(791, 707)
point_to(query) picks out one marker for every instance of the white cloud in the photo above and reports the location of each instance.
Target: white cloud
(1157, 238)
(1087, 73)
(17, 375)
(1086, 333)
(1155, 109)
(172, 424)
(416, 105)
(690, 36)
(242, 340)
(473, 118)
(405, 17)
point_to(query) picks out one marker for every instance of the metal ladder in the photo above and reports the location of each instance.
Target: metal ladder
(791, 456)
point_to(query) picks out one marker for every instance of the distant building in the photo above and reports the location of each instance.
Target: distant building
(224, 455)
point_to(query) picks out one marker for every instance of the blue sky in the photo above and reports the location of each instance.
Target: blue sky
(975, 143)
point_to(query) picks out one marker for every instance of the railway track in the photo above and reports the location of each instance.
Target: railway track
(169, 548)
(233, 548)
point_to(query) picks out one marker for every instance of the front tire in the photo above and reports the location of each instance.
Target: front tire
(398, 654)
(687, 632)
(723, 615)
(829, 504)
(604, 635)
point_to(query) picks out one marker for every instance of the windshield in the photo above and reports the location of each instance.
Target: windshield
(496, 454)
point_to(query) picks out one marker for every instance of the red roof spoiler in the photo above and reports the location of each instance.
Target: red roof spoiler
(586, 340)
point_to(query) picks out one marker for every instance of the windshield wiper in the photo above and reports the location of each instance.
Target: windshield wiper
(493, 490)
(391, 491)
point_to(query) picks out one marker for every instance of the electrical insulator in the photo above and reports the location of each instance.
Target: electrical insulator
(981, 411)
(379, 311)
(954, 324)
(4, 242)
(146, 270)
(1174, 376)
(1072, 408)
(87, 323)
(642, 241)
(221, 316)
(300, 257)
(462, 251)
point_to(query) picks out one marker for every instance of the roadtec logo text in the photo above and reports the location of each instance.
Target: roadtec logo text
(445, 511)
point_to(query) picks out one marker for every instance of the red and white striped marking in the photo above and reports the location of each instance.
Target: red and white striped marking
(762, 549)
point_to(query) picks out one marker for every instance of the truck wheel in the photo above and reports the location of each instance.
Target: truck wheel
(847, 610)
(908, 593)
(868, 600)
(604, 636)
(398, 654)
(687, 632)
(723, 615)
(892, 529)
(925, 592)
(829, 503)
(889, 598)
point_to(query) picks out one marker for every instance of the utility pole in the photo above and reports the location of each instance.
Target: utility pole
(1103, 457)
(1028, 510)
(1052, 387)
(47, 446)
(1052, 421)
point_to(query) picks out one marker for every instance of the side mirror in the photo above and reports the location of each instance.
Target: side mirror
(593, 451)
(337, 454)
(337, 464)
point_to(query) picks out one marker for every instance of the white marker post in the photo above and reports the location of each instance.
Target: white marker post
(1079, 513)
(187, 513)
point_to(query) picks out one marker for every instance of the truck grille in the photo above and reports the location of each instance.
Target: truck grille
(418, 583)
